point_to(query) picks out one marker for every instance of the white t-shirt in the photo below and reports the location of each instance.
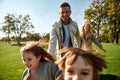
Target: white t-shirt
(67, 36)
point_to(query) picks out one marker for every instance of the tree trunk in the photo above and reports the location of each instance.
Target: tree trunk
(18, 40)
(116, 38)
(8, 39)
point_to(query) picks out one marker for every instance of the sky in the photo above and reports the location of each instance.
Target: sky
(43, 13)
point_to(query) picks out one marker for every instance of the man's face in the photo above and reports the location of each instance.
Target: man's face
(65, 13)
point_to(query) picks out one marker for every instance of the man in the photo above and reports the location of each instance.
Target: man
(65, 32)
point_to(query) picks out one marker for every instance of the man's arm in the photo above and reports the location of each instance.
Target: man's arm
(52, 42)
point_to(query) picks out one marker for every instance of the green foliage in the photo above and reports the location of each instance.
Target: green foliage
(33, 36)
(46, 36)
(95, 15)
(17, 25)
(105, 13)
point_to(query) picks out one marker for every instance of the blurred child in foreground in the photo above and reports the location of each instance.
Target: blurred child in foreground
(78, 64)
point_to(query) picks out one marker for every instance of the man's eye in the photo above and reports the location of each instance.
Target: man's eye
(67, 11)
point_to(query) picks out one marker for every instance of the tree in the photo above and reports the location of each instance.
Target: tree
(22, 26)
(19, 25)
(95, 14)
(46, 36)
(105, 14)
(8, 26)
(113, 17)
(34, 36)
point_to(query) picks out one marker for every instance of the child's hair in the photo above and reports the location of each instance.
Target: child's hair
(37, 50)
(96, 60)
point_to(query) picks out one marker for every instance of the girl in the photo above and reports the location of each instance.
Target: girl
(78, 64)
(39, 63)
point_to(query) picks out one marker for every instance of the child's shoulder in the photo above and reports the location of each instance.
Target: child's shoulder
(48, 63)
(48, 66)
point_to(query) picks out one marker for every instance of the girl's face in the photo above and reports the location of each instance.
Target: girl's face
(30, 61)
(87, 27)
(79, 70)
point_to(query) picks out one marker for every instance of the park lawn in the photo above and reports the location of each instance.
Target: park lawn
(11, 66)
(112, 56)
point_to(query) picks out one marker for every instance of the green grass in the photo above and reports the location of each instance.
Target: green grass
(112, 57)
(11, 66)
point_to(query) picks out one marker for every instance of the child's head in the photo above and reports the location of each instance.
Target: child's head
(32, 54)
(80, 65)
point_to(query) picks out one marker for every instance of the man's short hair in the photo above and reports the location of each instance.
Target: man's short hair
(65, 4)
